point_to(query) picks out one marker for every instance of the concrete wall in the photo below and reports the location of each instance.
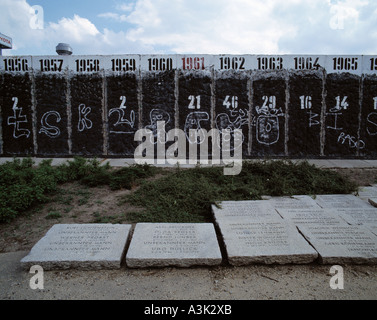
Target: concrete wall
(287, 106)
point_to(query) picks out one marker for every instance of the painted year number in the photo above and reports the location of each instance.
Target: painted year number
(235, 63)
(190, 63)
(87, 65)
(162, 64)
(48, 65)
(341, 63)
(373, 64)
(16, 64)
(123, 64)
(270, 63)
(306, 63)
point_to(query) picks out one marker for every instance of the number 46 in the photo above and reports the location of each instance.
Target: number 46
(232, 103)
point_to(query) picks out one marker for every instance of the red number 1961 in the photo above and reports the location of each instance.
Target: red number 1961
(196, 63)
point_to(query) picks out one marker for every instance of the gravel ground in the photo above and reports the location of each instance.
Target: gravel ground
(260, 282)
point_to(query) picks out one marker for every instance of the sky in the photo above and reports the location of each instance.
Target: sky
(190, 26)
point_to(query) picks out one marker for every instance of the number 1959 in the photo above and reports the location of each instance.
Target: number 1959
(123, 64)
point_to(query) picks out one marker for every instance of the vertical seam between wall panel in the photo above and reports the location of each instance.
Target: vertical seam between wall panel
(361, 99)
(69, 111)
(34, 113)
(323, 114)
(104, 116)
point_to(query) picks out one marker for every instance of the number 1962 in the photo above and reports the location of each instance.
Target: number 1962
(235, 63)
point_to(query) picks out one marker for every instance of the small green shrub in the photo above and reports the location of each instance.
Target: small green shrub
(125, 178)
(22, 186)
(53, 215)
(187, 195)
(178, 196)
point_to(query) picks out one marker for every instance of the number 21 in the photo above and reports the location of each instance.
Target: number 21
(192, 102)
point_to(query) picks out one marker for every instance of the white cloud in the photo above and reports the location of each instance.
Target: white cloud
(79, 32)
(255, 26)
(125, 7)
(331, 27)
(213, 26)
(114, 16)
(204, 26)
(85, 38)
(77, 29)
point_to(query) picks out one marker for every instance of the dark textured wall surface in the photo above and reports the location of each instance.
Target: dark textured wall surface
(286, 106)
(51, 115)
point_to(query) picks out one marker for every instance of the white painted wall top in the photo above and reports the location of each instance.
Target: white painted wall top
(356, 64)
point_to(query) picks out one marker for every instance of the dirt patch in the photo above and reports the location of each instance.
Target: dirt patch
(75, 203)
(362, 177)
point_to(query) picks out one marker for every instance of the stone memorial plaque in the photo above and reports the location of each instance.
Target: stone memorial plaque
(342, 244)
(245, 210)
(312, 216)
(294, 202)
(268, 242)
(359, 216)
(366, 217)
(366, 193)
(173, 244)
(80, 246)
(333, 201)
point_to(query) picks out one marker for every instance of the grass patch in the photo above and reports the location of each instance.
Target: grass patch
(53, 215)
(187, 195)
(23, 185)
(181, 195)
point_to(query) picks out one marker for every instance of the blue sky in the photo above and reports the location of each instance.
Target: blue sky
(90, 9)
(192, 26)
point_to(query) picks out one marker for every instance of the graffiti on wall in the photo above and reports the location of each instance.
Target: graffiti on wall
(324, 106)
